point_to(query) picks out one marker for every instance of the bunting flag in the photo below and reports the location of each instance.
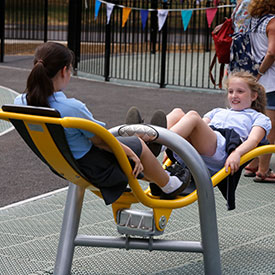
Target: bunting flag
(110, 8)
(186, 16)
(210, 14)
(144, 16)
(162, 15)
(97, 6)
(125, 15)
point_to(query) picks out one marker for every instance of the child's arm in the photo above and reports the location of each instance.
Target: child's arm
(233, 161)
(98, 142)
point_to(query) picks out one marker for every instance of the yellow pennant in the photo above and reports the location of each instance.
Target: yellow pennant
(125, 15)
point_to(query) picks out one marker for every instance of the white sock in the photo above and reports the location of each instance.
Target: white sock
(173, 184)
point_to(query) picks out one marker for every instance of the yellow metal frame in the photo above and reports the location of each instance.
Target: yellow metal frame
(161, 208)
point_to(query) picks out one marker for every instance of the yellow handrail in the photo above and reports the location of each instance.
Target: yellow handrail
(143, 197)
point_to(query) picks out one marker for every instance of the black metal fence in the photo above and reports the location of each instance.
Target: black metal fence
(171, 56)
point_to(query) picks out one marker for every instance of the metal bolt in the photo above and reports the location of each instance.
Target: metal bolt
(162, 222)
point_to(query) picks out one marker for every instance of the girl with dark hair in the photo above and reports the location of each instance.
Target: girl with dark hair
(49, 77)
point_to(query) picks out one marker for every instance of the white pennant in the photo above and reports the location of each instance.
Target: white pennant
(162, 15)
(110, 8)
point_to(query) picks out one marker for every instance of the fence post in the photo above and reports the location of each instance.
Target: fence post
(163, 49)
(154, 26)
(74, 29)
(107, 52)
(208, 36)
(45, 20)
(2, 29)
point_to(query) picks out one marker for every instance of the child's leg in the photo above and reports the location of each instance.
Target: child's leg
(192, 127)
(153, 171)
(174, 116)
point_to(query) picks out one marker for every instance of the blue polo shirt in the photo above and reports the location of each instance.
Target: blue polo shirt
(78, 140)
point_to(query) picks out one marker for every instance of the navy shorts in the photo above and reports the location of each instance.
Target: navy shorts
(270, 101)
(103, 170)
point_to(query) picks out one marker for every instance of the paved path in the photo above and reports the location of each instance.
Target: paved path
(23, 175)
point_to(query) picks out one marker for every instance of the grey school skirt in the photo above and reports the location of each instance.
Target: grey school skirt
(102, 169)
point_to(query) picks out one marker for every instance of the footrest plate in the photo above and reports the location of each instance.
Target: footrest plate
(137, 223)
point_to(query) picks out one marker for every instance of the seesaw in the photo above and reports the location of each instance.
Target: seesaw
(42, 129)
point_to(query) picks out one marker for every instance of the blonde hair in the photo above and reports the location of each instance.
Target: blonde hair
(258, 8)
(255, 87)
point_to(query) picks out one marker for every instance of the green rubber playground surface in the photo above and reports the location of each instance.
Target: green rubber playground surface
(29, 234)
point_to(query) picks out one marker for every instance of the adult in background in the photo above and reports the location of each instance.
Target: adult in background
(263, 45)
(240, 17)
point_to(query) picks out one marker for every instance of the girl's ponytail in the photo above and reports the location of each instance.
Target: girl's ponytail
(39, 86)
(49, 59)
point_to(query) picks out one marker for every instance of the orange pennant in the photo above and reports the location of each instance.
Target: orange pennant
(125, 15)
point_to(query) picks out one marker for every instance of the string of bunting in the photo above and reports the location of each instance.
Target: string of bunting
(186, 14)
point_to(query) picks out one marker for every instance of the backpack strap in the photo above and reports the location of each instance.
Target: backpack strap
(213, 62)
(221, 75)
(259, 22)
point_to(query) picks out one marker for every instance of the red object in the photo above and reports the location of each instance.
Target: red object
(223, 40)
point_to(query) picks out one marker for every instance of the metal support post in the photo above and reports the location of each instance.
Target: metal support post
(163, 50)
(107, 52)
(45, 20)
(2, 29)
(74, 29)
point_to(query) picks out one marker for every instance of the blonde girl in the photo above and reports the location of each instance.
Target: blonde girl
(244, 120)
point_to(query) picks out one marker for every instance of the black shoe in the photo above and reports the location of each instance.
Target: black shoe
(184, 176)
(155, 190)
(158, 119)
(133, 116)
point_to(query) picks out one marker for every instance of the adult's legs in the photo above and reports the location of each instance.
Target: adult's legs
(264, 160)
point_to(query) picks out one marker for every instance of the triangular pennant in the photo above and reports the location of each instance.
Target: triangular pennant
(125, 15)
(186, 16)
(97, 6)
(144, 16)
(162, 15)
(210, 14)
(216, 2)
(110, 8)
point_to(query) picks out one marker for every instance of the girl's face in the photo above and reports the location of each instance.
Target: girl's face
(239, 95)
